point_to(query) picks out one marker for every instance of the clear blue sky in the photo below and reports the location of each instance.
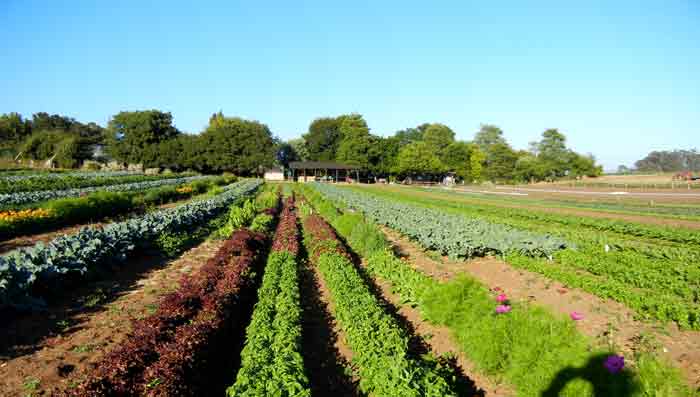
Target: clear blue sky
(619, 78)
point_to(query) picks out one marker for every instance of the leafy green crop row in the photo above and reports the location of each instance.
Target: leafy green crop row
(457, 236)
(529, 347)
(379, 345)
(658, 282)
(271, 362)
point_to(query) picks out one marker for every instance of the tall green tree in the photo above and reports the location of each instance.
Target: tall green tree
(300, 148)
(500, 162)
(323, 138)
(13, 130)
(130, 135)
(418, 158)
(488, 136)
(457, 158)
(237, 145)
(439, 137)
(356, 145)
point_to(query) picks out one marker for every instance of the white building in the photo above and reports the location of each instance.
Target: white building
(274, 174)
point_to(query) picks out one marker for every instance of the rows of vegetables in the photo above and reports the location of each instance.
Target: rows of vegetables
(63, 181)
(25, 274)
(31, 197)
(33, 174)
(379, 345)
(459, 237)
(182, 349)
(271, 361)
(623, 261)
(540, 345)
(95, 207)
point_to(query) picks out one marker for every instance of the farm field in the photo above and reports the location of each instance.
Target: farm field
(241, 288)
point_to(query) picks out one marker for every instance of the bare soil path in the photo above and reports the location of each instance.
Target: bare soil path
(327, 358)
(604, 320)
(48, 351)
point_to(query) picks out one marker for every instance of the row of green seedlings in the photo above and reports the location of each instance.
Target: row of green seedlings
(271, 361)
(100, 205)
(628, 272)
(538, 353)
(379, 344)
(178, 350)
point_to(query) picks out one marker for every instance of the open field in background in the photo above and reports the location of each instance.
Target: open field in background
(635, 182)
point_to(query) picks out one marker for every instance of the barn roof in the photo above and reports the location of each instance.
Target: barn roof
(330, 165)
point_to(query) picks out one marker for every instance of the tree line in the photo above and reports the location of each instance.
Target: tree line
(666, 161)
(429, 150)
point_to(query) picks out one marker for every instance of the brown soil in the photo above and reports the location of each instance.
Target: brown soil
(604, 320)
(439, 341)
(46, 351)
(326, 355)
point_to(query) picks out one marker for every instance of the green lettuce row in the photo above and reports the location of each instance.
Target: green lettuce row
(27, 272)
(457, 236)
(271, 362)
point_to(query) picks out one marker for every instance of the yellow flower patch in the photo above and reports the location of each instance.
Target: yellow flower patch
(184, 189)
(16, 216)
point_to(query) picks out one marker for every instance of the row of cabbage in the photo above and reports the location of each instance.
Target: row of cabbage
(42, 266)
(76, 174)
(456, 236)
(21, 198)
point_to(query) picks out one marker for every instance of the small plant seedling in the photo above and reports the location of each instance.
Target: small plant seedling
(31, 384)
(86, 348)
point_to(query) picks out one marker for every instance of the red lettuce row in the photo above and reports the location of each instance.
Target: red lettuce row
(121, 371)
(286, 235)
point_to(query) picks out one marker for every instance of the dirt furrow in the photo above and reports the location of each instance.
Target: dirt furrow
(327, 358)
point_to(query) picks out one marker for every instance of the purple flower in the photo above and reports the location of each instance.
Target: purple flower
(500, 309)
(614, 363)
(501, 298)
(576, 316)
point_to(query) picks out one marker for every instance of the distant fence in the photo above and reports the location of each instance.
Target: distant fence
(673, 185)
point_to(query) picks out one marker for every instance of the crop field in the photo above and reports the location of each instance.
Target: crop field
(122, 284)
